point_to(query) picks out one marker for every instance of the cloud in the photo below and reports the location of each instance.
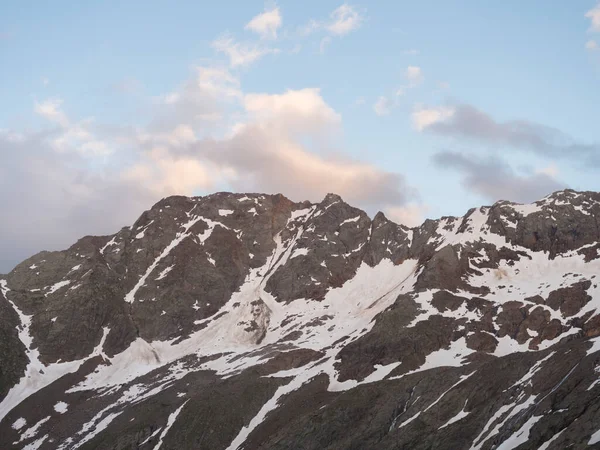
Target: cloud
(414, 75)
(311, 27)
(344, 20)
(423, 117)
(295, 111)
(465, 121)
(323, 44)
(495, 180)
(594, 15)
(70, 137)
(264, 162)
(266, 24)
(50, 109)
(198, 101)
(241, 54)
(592, 45)
(411, 51)
(164, 174)
(383, 106)
(551, 170)
(411, 215)
(268, 152)
(60, 197)
(207, 133)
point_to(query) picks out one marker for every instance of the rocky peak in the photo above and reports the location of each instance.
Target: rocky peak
(331, 199)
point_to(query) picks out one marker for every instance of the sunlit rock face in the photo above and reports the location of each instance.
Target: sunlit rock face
(250, 321)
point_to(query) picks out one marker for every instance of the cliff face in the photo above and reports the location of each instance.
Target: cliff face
(252, 321)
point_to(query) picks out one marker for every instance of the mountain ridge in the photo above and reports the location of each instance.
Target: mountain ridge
(256, 289)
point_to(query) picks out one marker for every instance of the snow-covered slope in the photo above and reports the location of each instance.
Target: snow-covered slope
(249, 321)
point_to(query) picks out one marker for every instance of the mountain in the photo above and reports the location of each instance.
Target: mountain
(250, 321)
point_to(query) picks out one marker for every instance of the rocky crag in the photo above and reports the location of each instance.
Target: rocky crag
(250, 321)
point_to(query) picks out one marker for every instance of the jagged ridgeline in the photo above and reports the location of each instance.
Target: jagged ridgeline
(250, 321)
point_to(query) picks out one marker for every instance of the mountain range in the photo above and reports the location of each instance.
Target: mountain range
(249, 321)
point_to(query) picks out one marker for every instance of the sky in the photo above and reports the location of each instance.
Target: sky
(418, 109)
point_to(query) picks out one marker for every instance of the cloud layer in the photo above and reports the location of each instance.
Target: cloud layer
(468, 122)
(74, 177)
(495, 180)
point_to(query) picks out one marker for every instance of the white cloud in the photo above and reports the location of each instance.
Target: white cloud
(45, 81)
(278, 163)
(594, 15)
(323, 44)
(72, 137)
(592, 45)
(179, 136)
(266, 24)
(50, 109)
(311, 27)
(241, 53)
(383, 106)
(414, 75)
(551, 171)
(411, 51)
(199, 101)
(78, 138)
(344, 19)
(218, 81)
(165, 175)
(423, 117)
(411, 215)
(294, 111)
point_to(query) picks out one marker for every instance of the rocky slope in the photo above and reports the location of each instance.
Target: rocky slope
(250, 321)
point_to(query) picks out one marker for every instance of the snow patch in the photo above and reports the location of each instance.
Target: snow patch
(526, 209)
(37, 375)
(459, 416)
(130, 296)
(352, 220)
(299, 252)
(61, 407)
(164, 273)
(36, 444)
(55, 287)
(32, 431)
(520, 436)
(170, 421)
(546, 444)
(19, 423)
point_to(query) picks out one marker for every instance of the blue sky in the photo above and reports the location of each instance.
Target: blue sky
(420, 109)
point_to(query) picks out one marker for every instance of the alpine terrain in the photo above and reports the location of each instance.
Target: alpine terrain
(248, 321)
